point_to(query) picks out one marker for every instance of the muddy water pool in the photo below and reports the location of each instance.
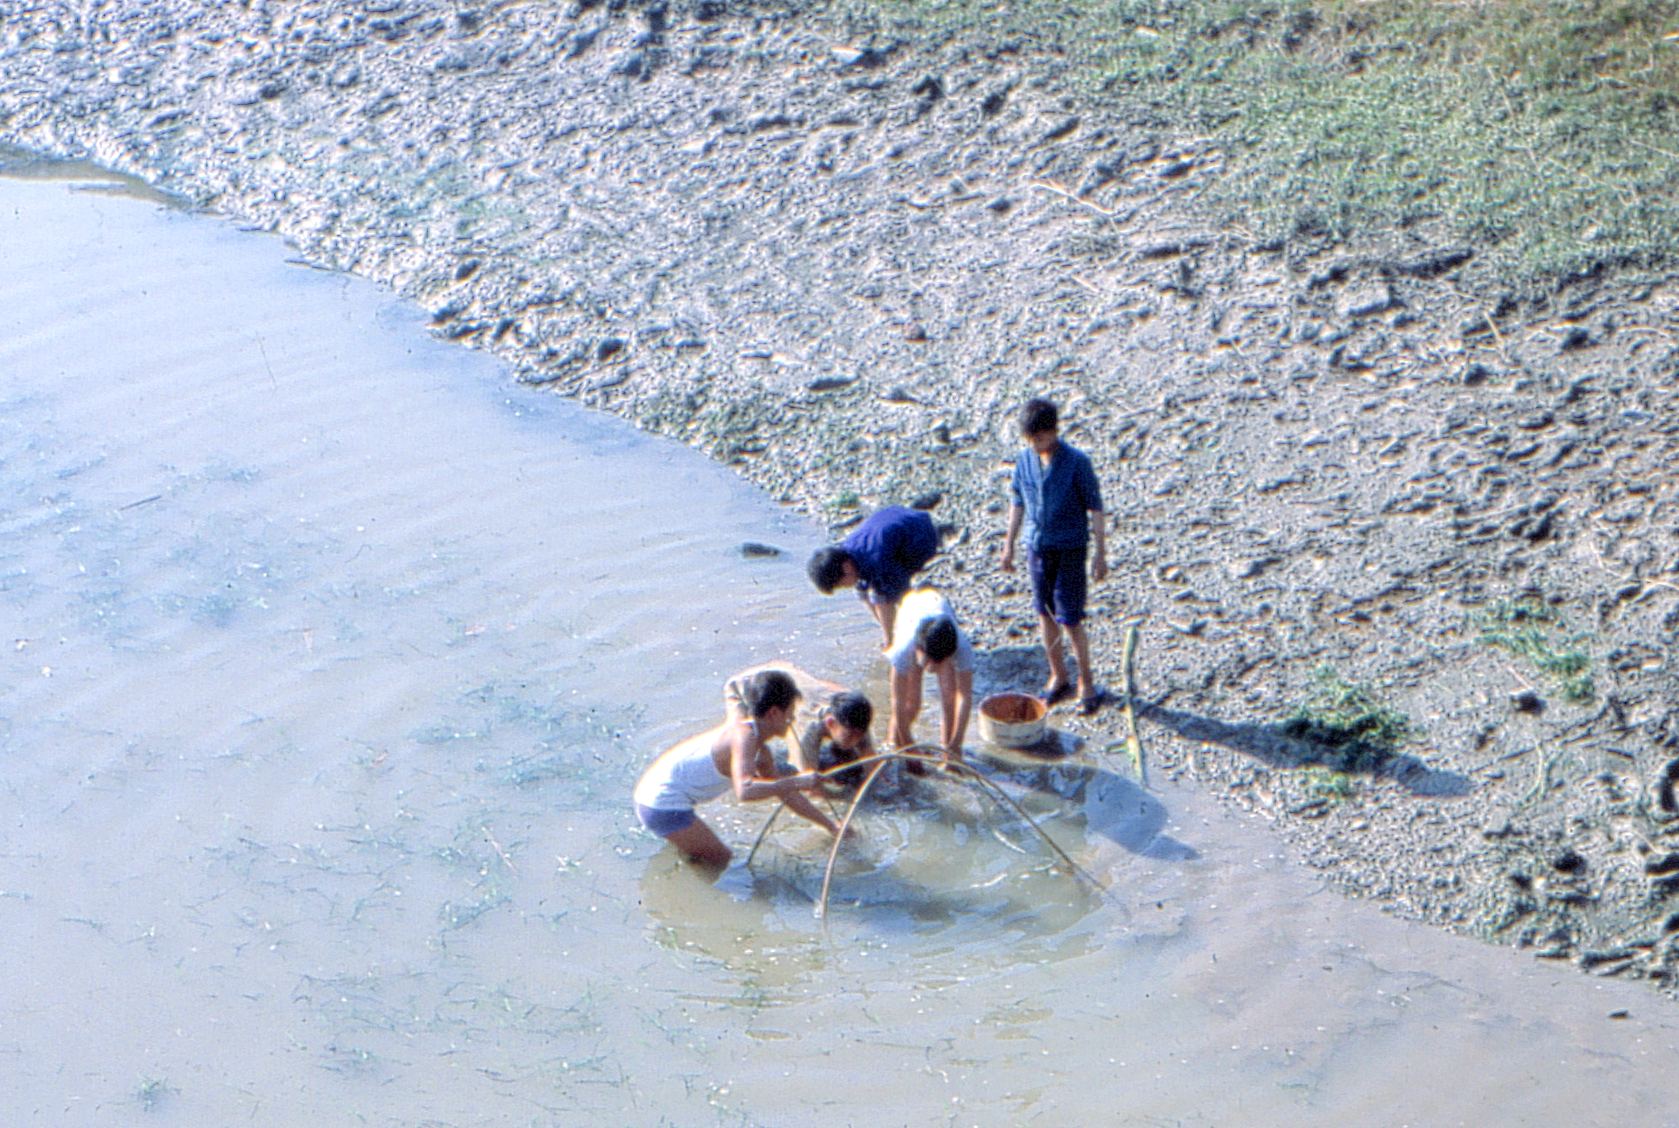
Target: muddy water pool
(331, 657)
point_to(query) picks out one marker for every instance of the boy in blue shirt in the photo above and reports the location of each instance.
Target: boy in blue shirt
(878, 559)
(1055, 496)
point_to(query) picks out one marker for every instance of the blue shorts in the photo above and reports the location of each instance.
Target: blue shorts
(1058, 583)
(665, 823)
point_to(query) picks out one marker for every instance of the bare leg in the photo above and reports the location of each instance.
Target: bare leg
(1081, 651)
(906, 706)
(1051, 631)
(701, 845)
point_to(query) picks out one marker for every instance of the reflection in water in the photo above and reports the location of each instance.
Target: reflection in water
(325, 688)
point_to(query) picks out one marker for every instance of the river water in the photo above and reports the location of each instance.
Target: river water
(331, 658)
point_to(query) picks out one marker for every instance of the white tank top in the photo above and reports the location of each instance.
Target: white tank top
(682, 777)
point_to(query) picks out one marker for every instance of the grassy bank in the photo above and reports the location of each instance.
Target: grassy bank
(1542, 134)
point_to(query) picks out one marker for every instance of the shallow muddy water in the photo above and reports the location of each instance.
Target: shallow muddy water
(331, 658)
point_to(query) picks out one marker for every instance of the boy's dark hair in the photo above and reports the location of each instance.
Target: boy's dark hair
(769, 689)
(936, 638)
(827, 568)
(1038, 416)
(851, 710)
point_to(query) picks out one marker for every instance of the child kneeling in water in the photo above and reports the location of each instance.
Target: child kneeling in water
(833, 730)
(734, 754)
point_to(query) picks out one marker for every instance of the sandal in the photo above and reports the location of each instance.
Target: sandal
(1089, 705)
(1055, 695)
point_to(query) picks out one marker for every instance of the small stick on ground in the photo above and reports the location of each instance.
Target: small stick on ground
(1059, 190)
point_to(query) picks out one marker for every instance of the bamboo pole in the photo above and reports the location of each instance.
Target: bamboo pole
(990, 787)
(759, 841)
(845, 824)
(1133, 739)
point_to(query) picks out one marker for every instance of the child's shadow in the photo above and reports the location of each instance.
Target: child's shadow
(1280, 747)
(1023, 669)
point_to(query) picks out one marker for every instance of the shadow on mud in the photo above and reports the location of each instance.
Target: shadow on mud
(1079, 788)
(1111, 805)
(1273, 745)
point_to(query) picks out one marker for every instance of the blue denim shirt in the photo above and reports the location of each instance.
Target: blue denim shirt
(889, 547)
(1057, 498)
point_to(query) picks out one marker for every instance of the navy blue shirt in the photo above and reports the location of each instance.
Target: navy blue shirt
(889, 547)
(1057, 497)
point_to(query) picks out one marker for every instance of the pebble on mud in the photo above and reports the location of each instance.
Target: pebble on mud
(830, 383)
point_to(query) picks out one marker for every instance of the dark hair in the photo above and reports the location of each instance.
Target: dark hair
(827, 568)
(936, 638)
(769, 689)
(1038, 416)
(851, 710)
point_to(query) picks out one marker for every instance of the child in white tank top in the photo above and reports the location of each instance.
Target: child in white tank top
(733, 754)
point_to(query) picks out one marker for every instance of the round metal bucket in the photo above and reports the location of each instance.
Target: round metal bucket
(1012, 720)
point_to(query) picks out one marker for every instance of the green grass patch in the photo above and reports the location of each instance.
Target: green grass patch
(1544, 134)
(1329, 785)
(1354, 732)
(1534, 631)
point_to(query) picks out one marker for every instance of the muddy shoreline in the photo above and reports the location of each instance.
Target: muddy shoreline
(837, 263)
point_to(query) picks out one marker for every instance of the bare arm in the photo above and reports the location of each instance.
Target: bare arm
(956, 696)
(884, 614)
(1092, 492)
(795, 799)
(809, 811)
(1099, 544)
(1016, 516)
(747, 755)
